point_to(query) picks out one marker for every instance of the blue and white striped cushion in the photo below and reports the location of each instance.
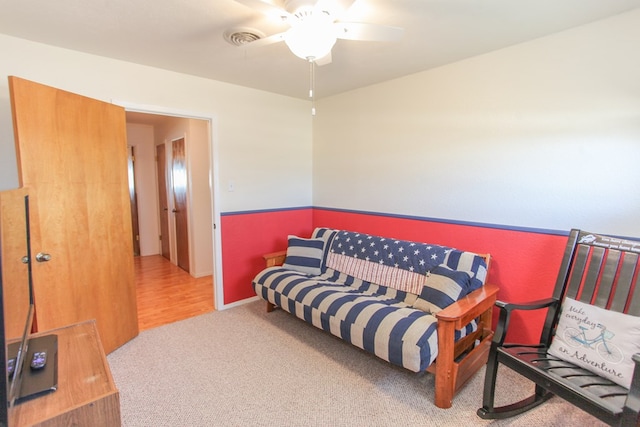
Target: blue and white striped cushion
(372, 317)
(305, 255)
(443, 287)
(471, 263)
(326, 234)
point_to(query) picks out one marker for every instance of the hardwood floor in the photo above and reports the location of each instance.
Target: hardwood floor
(166, 293)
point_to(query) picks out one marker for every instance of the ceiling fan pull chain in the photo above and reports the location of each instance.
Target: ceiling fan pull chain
(312, 83)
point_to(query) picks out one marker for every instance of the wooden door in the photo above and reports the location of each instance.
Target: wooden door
(72, 156)
(179, 185)
(161, 168)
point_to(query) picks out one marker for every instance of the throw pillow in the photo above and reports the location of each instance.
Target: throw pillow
(444, 286)
(599, 340)
(326, 234)
(304, 255)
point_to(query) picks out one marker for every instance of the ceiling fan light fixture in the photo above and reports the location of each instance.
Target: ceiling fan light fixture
(311, 38)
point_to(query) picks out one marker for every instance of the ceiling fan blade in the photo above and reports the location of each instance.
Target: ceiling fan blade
(334, 7)
(367, 32)
(266, 8)
(324, 60)
(265, 41)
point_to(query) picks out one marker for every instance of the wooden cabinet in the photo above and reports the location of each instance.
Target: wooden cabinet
(86, 394)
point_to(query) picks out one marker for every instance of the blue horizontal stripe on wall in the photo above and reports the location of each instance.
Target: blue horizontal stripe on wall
(411, 217)
(257, 211)
(453, 221)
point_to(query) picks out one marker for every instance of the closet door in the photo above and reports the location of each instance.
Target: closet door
(72, 156)
(179, 186)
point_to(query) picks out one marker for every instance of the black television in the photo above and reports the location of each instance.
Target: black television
(24, 377)
(4, 408)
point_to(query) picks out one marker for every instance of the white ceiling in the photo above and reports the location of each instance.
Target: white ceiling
(187, 36)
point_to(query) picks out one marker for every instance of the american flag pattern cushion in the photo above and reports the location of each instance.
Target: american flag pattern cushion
(399, 264)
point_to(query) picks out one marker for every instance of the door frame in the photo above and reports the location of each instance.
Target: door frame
(218, 288)
(163, 208)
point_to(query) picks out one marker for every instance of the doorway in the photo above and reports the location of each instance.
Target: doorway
(158, 281)
(158, 134)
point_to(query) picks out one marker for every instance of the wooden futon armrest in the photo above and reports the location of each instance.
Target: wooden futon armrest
(457, 362)
(463, 311)
(275, 258)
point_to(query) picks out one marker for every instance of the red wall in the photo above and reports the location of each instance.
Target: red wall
(524, 264)
(248, 236)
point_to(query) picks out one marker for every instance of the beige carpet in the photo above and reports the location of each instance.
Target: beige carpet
(246, 367)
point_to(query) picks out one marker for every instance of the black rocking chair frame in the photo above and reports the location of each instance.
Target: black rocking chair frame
(596, 269)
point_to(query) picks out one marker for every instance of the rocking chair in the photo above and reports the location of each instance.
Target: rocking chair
(598, 270)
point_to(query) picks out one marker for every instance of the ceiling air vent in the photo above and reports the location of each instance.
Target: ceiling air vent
(242, 36)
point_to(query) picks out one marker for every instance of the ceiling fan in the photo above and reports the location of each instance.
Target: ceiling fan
(315, 27)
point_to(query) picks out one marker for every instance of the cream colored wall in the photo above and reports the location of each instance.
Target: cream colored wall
(263, 140)
(8, 166)
(544, 134)
(141, 137)
(201, 205)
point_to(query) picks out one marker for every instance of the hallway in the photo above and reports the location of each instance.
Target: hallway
(166, 293)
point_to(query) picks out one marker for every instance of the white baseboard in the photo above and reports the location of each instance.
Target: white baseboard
(238, 303)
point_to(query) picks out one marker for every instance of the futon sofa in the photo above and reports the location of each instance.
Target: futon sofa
(416, 305)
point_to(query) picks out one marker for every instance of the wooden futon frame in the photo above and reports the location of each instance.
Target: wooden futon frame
(457, 361)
